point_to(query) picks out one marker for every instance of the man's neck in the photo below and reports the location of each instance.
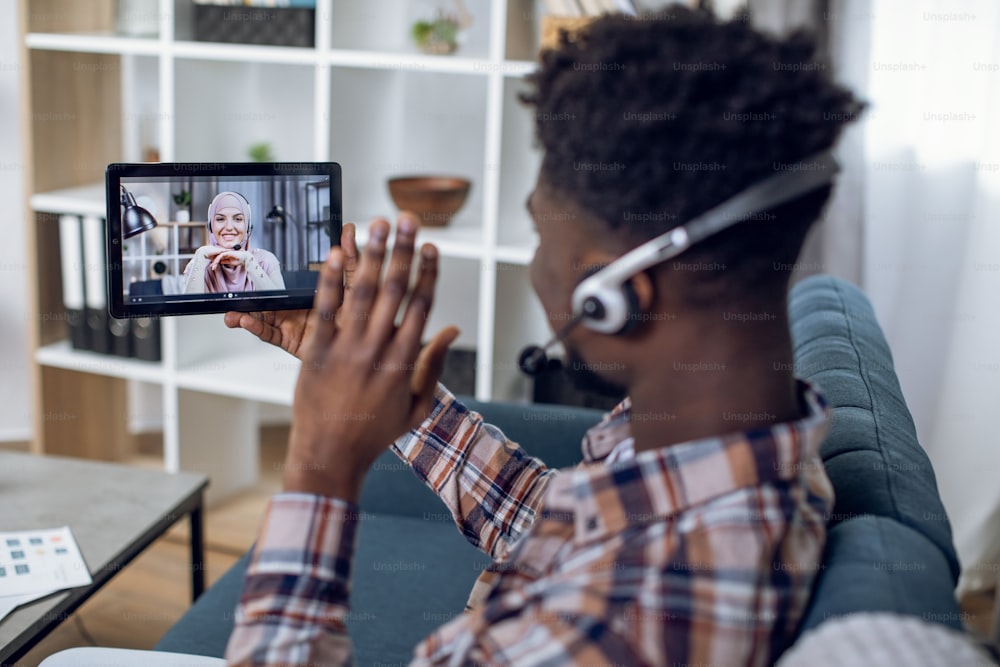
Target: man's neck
(740, 383)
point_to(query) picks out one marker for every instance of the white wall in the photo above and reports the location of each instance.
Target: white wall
(15, 397)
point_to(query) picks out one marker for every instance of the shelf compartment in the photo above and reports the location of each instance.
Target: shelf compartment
(62, 355)
(518, 68)
(418, 62)
(523, 19)
(438, 132)
(253, 53)
(258, 24)
(384, 26)
(517, 254)
(458, 241)
(519, 163)
(214, 359)
(48, 16)
(83, 200)
(521, 321)
(265, 374)
(224, 107)
(141, 118)
(78, 87)
(456, 302)
(109, 42)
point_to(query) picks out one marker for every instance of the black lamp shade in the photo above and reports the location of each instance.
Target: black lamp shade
(135, 219)
(276, 215)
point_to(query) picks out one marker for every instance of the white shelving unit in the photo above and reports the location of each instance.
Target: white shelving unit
(362, 97)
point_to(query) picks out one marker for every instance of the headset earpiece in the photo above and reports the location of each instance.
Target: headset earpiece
(246, 241)
(632, 305)
(606, 308)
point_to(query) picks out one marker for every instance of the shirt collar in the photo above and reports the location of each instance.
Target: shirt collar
(608, 434)
(655, 484)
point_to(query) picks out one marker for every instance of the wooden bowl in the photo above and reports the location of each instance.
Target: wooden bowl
(434, 198)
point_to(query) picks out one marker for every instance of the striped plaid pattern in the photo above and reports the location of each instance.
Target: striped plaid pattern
(489, 484)
(698, 553)
(294, 601)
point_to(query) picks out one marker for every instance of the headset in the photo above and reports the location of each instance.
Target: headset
(246, 240)
(604, 301)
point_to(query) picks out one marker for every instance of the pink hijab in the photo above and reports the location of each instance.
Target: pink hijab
(234, 278)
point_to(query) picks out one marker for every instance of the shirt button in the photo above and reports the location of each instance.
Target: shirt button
(592, 523)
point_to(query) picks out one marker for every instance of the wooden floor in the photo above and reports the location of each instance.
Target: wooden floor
(139, 605)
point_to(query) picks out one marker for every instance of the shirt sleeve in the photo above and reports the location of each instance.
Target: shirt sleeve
(527, 635)
(489, 484)
(295, 595)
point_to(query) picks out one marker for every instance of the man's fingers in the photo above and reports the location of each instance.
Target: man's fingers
(428, 369)
(365, 286)
(415, 319)
(259, 325)
(255, 323)
(328, 299)
(349, 244)
(396, 283)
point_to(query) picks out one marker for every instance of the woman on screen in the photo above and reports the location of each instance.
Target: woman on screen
(228, 264)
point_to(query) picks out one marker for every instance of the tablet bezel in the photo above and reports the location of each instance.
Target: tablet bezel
(120, 308)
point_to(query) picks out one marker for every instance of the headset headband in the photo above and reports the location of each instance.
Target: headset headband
(601, 300)
(801, 178)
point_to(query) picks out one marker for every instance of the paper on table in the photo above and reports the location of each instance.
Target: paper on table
(40, 561)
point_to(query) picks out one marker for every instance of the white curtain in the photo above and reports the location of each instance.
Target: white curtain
(931, 221)
(915, 219)
(843, 35)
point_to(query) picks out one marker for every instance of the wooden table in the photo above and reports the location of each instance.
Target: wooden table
(115, 511)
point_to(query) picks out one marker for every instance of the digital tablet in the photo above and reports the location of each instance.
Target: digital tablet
(190, 237)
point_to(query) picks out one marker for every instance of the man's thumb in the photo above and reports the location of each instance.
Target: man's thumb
(430, 363)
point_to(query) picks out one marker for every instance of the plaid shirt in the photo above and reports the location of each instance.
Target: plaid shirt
(700, 553)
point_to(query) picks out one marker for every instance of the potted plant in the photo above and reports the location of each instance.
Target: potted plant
(260, 152)
(440, 36)
(182, 200)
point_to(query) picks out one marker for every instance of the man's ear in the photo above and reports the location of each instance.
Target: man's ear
(645, 290)
(642, 283)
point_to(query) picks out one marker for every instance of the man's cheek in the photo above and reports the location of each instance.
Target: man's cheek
(534, 271)
(543, 282)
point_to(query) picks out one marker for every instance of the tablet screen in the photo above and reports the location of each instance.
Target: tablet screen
(189, 238)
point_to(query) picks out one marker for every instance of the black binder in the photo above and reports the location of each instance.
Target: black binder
(121, 337)
(146, 338)
(72, 263)
(95, 285)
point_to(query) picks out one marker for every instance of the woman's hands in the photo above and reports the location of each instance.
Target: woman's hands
(217, 255)
(229, 258)
(364, 380)
(287, 328)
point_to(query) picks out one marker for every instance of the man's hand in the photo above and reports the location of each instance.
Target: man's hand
(364, 380)
(287, 328)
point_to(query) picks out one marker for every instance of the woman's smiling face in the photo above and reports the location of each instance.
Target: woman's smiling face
(229, 226)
